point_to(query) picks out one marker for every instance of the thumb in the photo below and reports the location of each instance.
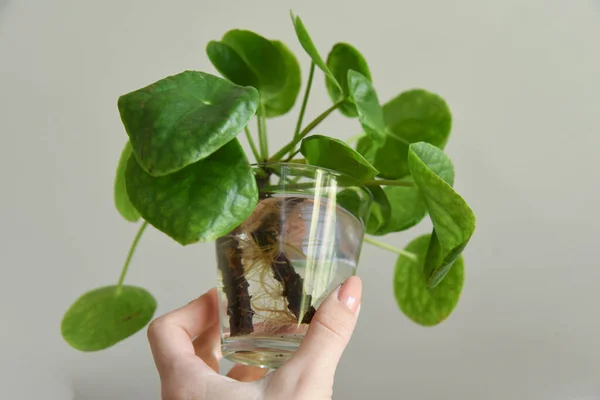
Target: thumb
(330, 331)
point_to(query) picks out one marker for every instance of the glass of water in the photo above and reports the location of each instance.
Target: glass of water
(301, 242)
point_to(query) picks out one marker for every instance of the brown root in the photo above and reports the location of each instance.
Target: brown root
(257, 254)
(266, 236)
(293, 288)
(235, 286)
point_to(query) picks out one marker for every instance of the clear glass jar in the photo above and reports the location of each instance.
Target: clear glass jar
(302, 241)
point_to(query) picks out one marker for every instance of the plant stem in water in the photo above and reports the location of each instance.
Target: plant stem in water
(130, 255)
(388, 247)
(235, 286)
(293, 287)
(291, 282)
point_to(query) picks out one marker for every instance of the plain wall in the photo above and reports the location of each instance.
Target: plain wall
(522, 80)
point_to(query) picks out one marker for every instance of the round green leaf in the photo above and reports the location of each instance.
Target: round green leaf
(334, 154)
(452, 218)
(407, 205)
(436, 160)
(285, 100)
(248, 59)
(262, 56)
(423, 305)
(343, 58)
(413, 116)
(310, 48)
(407, 209)
(370, 113)
(105, 316)
(201, 202)
(184, 118)
(380, 210)
(231, 65)
(122, 202)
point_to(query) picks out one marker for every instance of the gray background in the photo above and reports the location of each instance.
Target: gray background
(521, 78)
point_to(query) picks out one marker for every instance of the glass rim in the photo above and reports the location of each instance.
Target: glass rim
(314, 168)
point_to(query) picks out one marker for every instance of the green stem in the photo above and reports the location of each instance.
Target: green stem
(292, 155)
(252, 144)
(130, 255)
(388, 182)
(393, 249)
(355, 138)
(262, 133)
(305, 101)
(277, 156)
(399, 139)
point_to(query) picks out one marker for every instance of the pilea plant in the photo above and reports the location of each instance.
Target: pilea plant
(184, 172)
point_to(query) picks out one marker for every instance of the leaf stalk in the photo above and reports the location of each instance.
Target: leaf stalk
(285, 149)
(252, 144)
(262, 132)
(391, 248)
(130, 255)
(304, 101)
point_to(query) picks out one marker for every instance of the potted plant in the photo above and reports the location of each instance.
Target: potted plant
(289, 227)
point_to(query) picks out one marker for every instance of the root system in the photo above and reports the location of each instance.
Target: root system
(256, 254)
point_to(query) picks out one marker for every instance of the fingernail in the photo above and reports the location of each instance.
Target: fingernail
(349, 294)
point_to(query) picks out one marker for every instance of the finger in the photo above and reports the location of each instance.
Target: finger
(207, 346)
(329, 332)
(247, 373)
(171, 335)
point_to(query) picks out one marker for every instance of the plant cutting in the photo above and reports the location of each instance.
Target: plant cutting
(288, 227)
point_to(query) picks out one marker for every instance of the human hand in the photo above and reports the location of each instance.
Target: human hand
(186, 348)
